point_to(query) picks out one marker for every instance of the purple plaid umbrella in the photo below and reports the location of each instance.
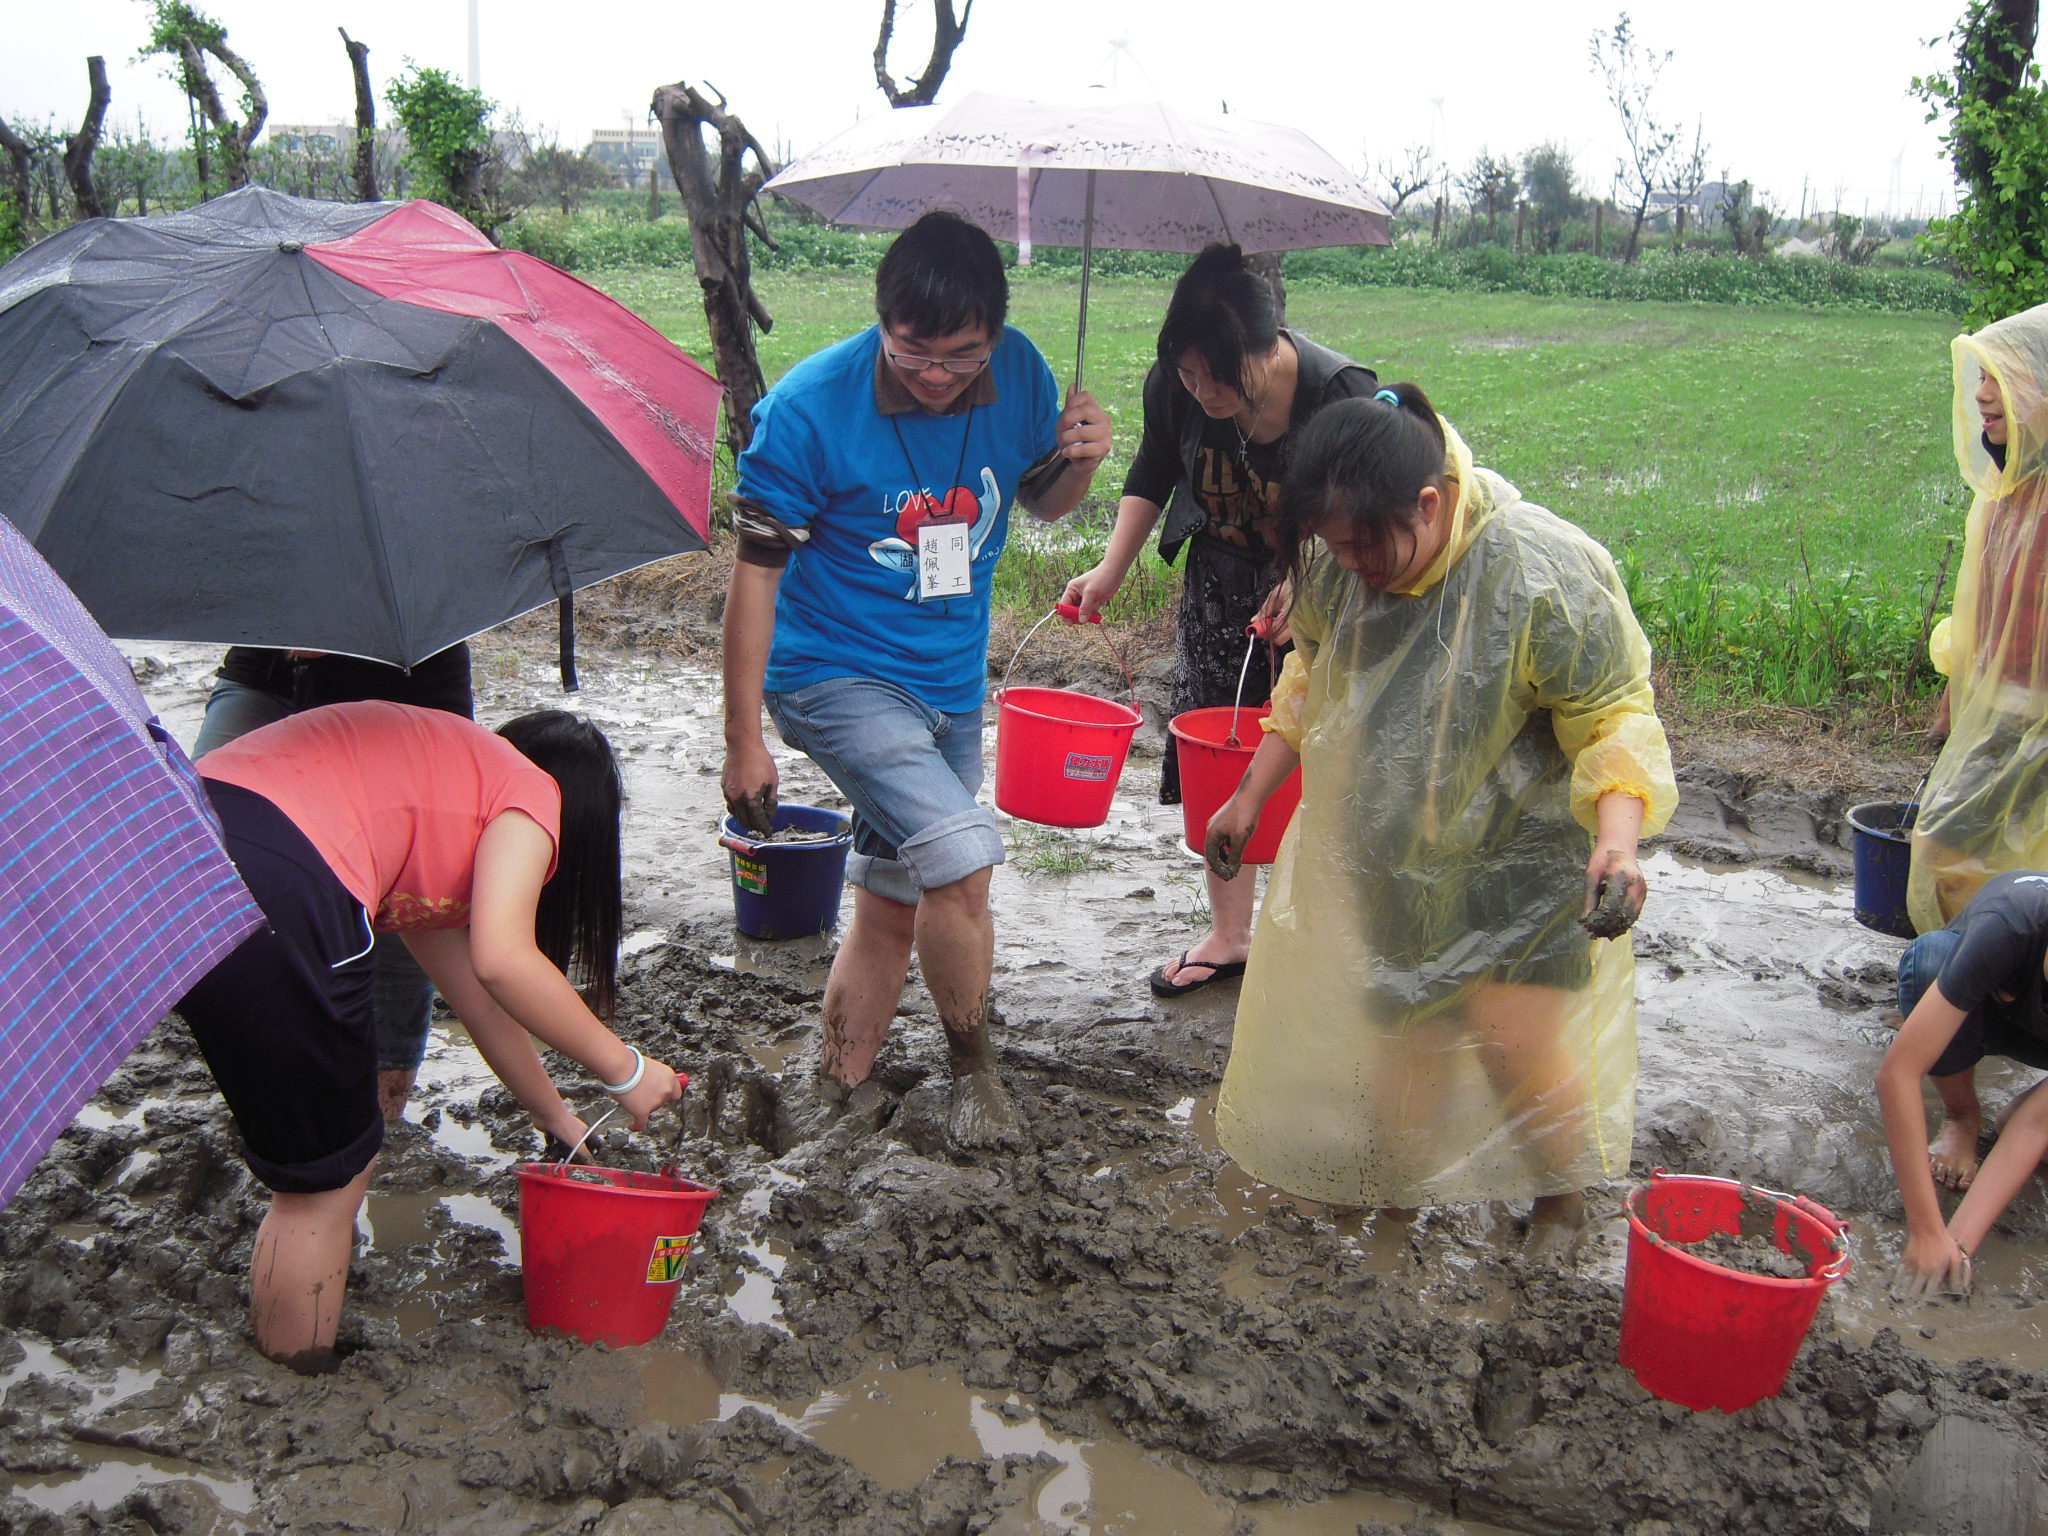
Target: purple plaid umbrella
(115, 892)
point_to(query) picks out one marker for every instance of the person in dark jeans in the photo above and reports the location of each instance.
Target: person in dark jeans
(257, 686)
(1976, 988)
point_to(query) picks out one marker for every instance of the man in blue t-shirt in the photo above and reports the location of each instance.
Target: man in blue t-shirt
(1977, 988)
(872, 505)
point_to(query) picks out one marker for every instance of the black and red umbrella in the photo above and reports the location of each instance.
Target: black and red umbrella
(355, 428)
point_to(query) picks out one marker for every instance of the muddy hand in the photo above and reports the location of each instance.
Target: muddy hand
(1230, 833)
(748, 784)
(1615, 891)
(1936, 1265)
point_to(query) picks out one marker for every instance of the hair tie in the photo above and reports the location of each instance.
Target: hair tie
(1388, 397)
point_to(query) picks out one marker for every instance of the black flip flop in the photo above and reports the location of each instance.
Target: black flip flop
(1161, 987)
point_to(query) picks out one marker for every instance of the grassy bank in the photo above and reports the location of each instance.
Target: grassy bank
(1776, 482)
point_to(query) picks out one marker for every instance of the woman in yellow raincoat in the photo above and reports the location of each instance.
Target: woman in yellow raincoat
(1985, 808)
(1425, 1019)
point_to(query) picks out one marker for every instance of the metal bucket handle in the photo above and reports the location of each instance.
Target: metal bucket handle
(1837, 1228)
(1071, 614)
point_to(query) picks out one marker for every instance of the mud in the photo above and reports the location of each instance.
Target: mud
(1105, 1327)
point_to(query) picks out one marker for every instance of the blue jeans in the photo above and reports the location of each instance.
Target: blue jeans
(404, 995)
(1983, 1033)
(910, 773)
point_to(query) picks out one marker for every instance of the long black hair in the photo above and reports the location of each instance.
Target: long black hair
(1222, 311)
(581, 907)
(1365, 461)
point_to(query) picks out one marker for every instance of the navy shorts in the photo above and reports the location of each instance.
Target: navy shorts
(287, 1022)
(1983, 1033)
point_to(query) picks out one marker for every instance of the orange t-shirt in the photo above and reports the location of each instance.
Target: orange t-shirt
(394, 799)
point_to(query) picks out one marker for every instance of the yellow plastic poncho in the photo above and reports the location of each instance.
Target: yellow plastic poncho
(1985, 808)
(1423, 1020)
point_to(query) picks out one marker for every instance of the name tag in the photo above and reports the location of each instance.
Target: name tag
(944, 562)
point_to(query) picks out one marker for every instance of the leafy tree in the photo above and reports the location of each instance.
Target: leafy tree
(1748, 221)
(1490, 181)
(1652, 161)
(450, 149)
(1551, 180)
(1998, 136)
(561, 176)
(187, 36)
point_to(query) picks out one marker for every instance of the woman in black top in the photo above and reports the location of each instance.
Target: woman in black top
(1222, 404)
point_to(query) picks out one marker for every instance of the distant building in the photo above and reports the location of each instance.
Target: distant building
(618, 149)
(324, 137)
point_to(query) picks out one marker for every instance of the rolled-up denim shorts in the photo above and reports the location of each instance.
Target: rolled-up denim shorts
(910, 772)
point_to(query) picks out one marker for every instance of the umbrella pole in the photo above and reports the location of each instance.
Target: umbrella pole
(1087, 257)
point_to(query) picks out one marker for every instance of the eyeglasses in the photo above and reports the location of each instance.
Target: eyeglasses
(953, 365)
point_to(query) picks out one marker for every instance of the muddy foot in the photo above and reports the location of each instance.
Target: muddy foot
(1557, 1223)
(981, 1115)
(1952, 1155)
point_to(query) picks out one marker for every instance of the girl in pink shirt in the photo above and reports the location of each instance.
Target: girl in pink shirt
(496, 857)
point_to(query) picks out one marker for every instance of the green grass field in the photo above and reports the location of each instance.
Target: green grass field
(1777, 484)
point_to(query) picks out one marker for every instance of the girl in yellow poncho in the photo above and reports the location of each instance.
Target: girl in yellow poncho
(1425, 1020)
(1985, 808)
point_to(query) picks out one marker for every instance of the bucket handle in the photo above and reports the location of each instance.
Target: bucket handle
(1838, 1229)
(1071, 614)
(739, 845)
(589, 1131)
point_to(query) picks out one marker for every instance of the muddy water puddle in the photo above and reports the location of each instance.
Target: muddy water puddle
(898, 1424)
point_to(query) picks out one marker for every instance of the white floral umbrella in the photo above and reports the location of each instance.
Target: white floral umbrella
(1130, 175)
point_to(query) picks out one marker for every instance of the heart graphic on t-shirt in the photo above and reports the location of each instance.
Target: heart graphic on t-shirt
(921, 507)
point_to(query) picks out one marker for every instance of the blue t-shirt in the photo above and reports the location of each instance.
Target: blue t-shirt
(825, 458)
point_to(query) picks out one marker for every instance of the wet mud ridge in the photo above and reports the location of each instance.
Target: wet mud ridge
(1096, 1277)
(1114, 1284)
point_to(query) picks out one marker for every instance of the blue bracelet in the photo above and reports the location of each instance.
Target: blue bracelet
(639, 1071)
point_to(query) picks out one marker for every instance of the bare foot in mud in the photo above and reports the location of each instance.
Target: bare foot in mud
(1952, 1155)
(1556, 1223)
(982, 1116)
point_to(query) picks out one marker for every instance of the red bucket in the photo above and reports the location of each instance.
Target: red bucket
(1702, 1334)
(602, 1249)
(1210, 769)
(1059, 755)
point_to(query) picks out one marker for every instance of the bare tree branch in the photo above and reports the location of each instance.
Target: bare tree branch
(366, 118)
(79, 147)
(20, 160)
(947, 33)
(720, 203)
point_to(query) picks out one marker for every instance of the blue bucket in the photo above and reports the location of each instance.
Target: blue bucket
(1884, 852)
(788, 890)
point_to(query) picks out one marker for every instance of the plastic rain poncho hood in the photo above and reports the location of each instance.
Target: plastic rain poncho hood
(1423, 1020)
(1985, 808)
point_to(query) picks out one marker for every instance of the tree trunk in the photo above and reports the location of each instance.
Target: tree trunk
(19, 161)
(1521, 223)
(1599, 225)
(947, 33)
(232, 138)
(366, 118)
(78, 149)
(2005, 72)
(718, 201)
(1267, 267)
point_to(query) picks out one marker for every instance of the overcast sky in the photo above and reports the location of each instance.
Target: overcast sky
(1803, 97)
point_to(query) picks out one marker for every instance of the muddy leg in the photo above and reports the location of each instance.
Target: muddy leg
(299, 1273)
(956, 945)
(1952, 1155)
(865, 986)
(1520, 1033)
(394, 1087)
